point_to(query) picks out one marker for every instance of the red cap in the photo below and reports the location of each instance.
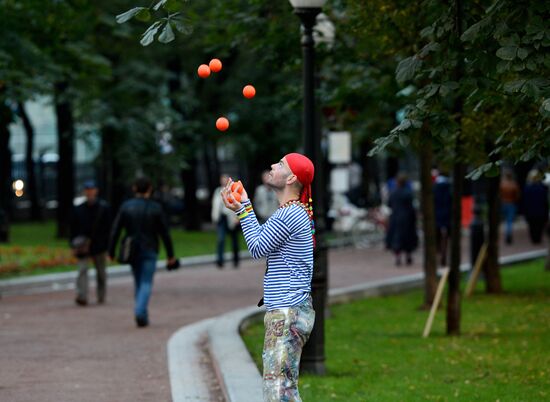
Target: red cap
(302, 167)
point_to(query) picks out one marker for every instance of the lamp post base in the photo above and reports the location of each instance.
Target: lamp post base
(313, 367)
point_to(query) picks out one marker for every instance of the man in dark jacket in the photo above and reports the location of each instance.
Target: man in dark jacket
(442, 207)
(535, 205)
(90, 227)
(144, 222)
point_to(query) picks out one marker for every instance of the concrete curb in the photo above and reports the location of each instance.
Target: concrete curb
(234, 368)
(237, 373)
(184, 359)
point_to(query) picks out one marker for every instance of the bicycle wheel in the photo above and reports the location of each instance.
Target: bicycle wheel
(366, 234)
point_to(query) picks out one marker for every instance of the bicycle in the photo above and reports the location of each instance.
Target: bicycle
(361, 227)
(370, 228)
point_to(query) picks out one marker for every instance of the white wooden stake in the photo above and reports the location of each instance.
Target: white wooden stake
(477, 268)
(436, 301)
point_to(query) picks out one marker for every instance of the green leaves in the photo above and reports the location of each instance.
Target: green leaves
(407, 69)
(168, 5)
(381, 143)
(172, 7)
(149, 36)
(430, 47)
(507, 52)
(405, 125)
(134, 12)
(532, 88)
(404, 140)
(167, 34)
(491, 169)
(473, 32)
(448, 87)
(545, 108)
(514, 86)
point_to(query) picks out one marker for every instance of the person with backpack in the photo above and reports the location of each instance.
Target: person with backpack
(144, 223)
(89, 229)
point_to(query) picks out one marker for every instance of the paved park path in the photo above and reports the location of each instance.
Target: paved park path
(54, 351)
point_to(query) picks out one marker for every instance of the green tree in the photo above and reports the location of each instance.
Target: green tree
(23, 66)
(455, 80)
(372, 37)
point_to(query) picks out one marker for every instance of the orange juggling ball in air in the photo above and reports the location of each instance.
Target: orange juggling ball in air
(215, 65)
(249, 91)
(203, 71)
(222, 124)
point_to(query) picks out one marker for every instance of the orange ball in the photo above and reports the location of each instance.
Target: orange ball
(249, 91)
(237, 187)
(203, 71)
(215, 65)
(222, 124)
(237, 196)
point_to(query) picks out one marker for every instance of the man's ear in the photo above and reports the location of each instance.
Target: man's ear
(291, 179)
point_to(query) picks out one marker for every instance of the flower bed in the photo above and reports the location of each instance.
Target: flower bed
(15, 260)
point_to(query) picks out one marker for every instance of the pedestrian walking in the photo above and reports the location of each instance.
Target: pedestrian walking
(265, 200)
(509, 195)
(89, 238)
(402, 236)
(144, 222)
(535, 205)
(287, 241)
(227, 224)
(442, 207)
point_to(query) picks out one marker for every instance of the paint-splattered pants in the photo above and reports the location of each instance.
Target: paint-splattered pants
(286, 332)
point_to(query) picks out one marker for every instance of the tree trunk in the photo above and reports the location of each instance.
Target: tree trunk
(428, 221)
(453, 296)
(492, 272)
(210, 164)
(65, 165)
(191, 219)
(370, 189)
(188, 176)
(31, 184)
(112, 182)
(5, 172)
(392, 166)
(106, 163)
(366, 174)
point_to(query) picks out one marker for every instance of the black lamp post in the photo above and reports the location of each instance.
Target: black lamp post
(313, 355)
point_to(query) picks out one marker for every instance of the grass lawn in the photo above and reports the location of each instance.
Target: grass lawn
(375, 352)
(34, 249)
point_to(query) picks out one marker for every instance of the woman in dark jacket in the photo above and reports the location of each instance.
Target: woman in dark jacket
(402, 236)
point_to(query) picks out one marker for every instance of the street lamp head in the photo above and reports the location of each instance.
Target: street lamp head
(307, 3)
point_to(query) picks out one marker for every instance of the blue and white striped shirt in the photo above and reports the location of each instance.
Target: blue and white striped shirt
(285, 239)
